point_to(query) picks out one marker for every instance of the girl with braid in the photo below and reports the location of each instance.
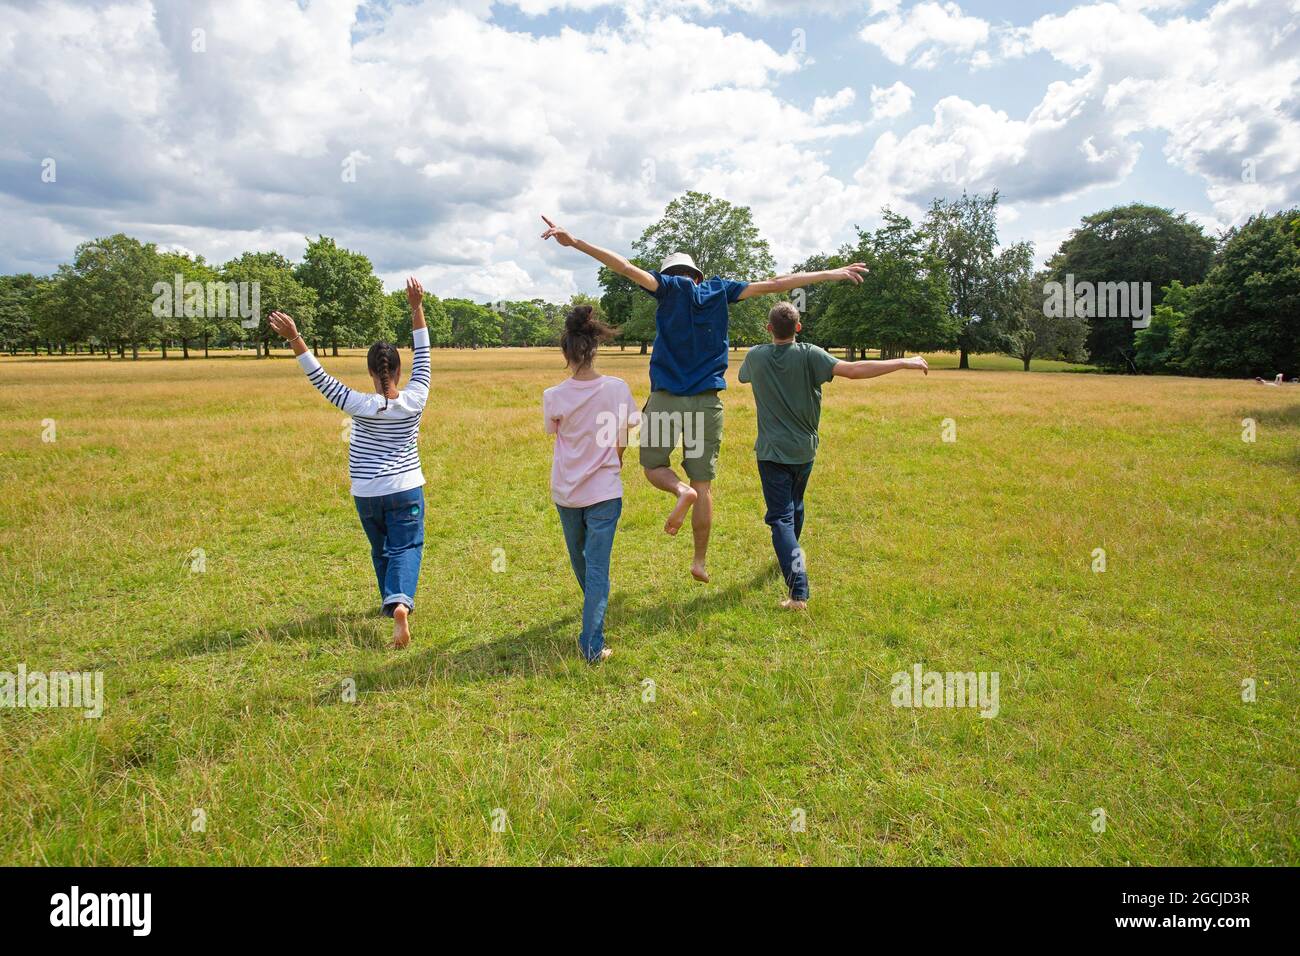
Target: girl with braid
(383, 457)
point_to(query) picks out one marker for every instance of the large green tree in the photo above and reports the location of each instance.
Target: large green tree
(278, 290)
(110, 285)
(1039, 334)
(399, 319)
(722, 239)
(1127, 244)
(523, 324)
(17, 312)
(350, 298)
(473, 325)
(201, 311)
(1244, 319)
(964, 235)
(1161, 346)
(902, 303)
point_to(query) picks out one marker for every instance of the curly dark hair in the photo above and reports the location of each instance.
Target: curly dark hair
(583, 333)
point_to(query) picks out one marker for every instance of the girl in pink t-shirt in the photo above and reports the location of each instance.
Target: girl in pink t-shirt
(590, 416)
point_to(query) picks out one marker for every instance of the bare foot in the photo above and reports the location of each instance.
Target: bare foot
(401, 628)
(685, 498)
(790, 604)
(699, 572)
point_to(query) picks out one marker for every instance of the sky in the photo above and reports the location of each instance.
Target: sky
(431, 135)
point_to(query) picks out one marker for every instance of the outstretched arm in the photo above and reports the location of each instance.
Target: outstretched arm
(878, 368)
(615, 262)
(851, 273)
(335, 391)
(416, 393)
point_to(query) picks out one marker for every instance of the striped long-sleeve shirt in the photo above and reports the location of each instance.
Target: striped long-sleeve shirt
(383, 454)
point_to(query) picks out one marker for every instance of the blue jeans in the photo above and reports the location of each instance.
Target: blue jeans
(783, 488)
(395, 526)
(589, 534)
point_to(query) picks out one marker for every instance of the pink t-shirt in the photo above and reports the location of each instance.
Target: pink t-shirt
(589, 420)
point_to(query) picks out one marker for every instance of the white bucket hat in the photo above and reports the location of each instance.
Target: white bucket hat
(682, 259)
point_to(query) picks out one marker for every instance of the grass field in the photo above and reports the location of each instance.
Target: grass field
(1119, 690)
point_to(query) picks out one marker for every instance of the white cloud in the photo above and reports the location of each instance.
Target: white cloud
(1226, 104)
(1225, 99)
(891, 101)
(461, 132)
(929, 27)
(824, 106)
(470, 129)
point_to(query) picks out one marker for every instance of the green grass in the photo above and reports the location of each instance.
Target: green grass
(1119, 690)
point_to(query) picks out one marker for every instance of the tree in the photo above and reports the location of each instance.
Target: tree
(964, 234)
(1040, 335)
(902, 303)
(523, 323)
(473, 325)
(435, 316)
(1126, 244)
(640, 326)
(56, 315)
(1161, 345)
(193, 316)
(350, 298)
(1007, 298)
(110, 284)
(17, 312)
(278, 291)
(723, 241)
(1244, 319)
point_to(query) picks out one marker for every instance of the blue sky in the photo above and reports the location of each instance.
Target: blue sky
(431, 135)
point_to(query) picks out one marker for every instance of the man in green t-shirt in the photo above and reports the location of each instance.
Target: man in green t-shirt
(787, 377)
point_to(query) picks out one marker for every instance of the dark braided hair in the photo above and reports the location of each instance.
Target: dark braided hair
(583, 333)
(383, 361)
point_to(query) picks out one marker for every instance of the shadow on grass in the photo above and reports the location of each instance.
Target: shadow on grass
(1289, 415)
(540, 649)
(319, 626)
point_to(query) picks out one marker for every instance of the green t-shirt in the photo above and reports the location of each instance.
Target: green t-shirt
(787, 380)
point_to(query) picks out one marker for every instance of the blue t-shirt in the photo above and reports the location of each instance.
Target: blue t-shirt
(690, 350)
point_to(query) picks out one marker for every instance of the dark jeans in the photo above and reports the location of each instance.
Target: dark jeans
(395, 526)
(783, 488)
(589, 534)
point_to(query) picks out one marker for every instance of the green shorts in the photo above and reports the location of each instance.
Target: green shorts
(692, 421)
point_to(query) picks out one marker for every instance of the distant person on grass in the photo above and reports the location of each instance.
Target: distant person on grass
(383, 457)
(590, 416)
(787, 377)
(687, 373)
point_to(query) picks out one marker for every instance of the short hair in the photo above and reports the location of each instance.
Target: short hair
(784, 319)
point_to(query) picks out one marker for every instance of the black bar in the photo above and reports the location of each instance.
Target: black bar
(334, 905)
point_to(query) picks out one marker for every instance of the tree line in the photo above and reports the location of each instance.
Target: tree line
(120, 295)
(1134, 288)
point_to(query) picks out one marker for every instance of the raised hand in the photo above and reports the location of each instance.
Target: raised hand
(414, 293)
(850, 273)
(562, 236)
(283, 326)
